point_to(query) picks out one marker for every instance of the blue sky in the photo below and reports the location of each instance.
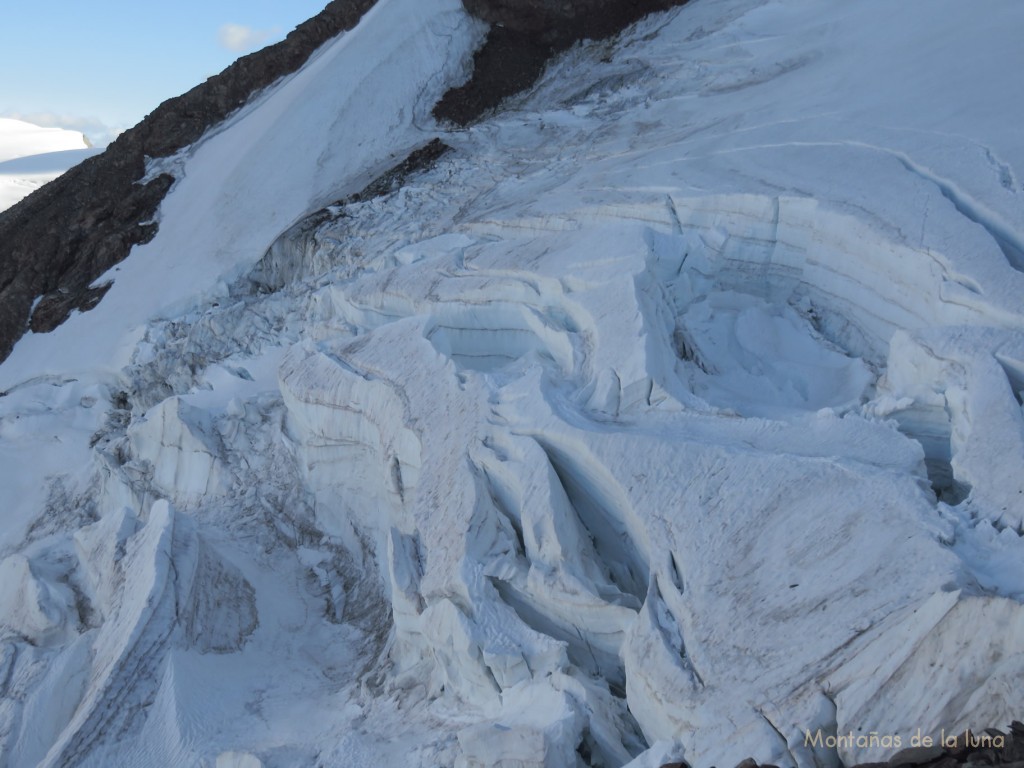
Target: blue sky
(103, 65)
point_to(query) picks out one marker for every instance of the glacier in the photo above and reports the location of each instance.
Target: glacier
(30, 156)
(673, 413)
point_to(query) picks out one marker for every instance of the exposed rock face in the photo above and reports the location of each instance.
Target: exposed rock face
(60, 239)
(524, 36)
(562, 21)
(508, 62)
(57, 241)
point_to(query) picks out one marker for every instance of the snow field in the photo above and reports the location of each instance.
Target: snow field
(31, 156)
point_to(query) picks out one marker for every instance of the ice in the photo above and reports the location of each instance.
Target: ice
(31, 156)
(238, 760)
(674, 413)
(761, 360)
(938, 643)
(248, 180)
(19, 139)
(32, 607)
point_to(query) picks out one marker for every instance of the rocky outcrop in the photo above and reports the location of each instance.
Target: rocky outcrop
(524, 35)
(59, 240)
(561, 22)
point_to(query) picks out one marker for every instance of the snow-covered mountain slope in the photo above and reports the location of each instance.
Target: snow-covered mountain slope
(31, 156)
(674, 414)
(21, 139)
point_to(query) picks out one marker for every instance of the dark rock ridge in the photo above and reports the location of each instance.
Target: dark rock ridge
(524, 35)
(56, 242)
(507, 63)
(61, 238)
(562, 22)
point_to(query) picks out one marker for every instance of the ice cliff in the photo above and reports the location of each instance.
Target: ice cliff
(673, 413)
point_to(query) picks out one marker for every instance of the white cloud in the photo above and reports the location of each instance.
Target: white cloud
(238, 37)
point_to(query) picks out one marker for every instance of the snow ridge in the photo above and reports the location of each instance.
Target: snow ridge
(31, 156)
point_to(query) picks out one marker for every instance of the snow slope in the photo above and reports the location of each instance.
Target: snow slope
(674, 415)
(30, 156)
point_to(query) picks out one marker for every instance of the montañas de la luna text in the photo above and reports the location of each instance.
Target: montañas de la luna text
(881, 740)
